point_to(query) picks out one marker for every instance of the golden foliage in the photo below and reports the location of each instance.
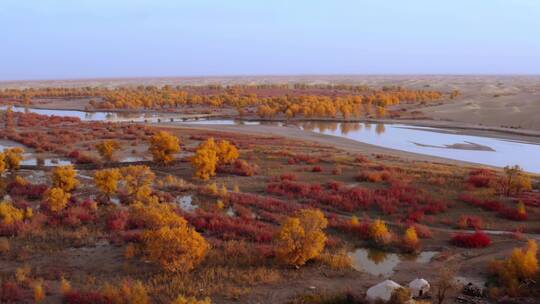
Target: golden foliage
(4, 245)
(138, 181)
(12, 158)
(514, 181)
(163, 145)
(155, 216)
(338, 260)
(2, 163)
(107, 148)
(226, 152)
(65, 286)
(205, 159)
(191, 300)
(10, 214)
(522, 264)
(127, 292)
(410, 238)
(106, 180)
(521, 209)
(176, 249)
(39, 292)
(301, 237)
(64, 177)
(379, 232)
(209, 155)
(57, 199)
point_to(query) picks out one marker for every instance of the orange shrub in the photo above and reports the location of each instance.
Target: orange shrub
(56, 199)
(163, 145)
(176, 249)
(379, 232)
(64, 177)
(301, 237)
(107, 148)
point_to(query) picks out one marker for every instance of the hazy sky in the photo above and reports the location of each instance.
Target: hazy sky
(44, 39)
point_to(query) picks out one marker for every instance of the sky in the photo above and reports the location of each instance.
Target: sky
(63, 39)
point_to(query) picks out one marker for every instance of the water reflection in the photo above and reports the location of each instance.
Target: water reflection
(422, 140)
(380, 263)
(380, 128)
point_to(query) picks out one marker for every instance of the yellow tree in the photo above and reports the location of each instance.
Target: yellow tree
(138, 181)
(168, 240)
(226, 152)
(107, 180)
(57, 199)
(2, 163)
(410, 239)
(176, 249)
(379, 232)
(205, 159)
(163, 145)
(301, 237)
(514, 180)
(64, 177)
(13, 158)
(9, 213)
(107, 148)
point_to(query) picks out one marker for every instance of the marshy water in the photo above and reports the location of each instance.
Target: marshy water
(383, 264)
(439, 142)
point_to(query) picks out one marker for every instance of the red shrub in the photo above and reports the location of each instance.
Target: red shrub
(79, 297)
(31, 191)
(481, 178)
(316, 169)
(471, 240)
(117, 220)
(10, 292)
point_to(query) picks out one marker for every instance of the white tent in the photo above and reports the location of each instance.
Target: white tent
(419, 287)
(382, 291)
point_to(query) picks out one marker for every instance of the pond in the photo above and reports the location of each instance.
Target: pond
(383, 264)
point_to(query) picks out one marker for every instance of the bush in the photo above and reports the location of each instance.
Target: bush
(471, 240)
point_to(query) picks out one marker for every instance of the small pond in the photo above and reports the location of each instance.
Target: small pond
(383, 264)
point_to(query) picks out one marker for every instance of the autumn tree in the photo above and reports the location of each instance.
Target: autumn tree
(301, 237)
(209, 155)
(56, 199)
(64, 177)
(106, 180)
(138, 182)
(13, 158)
(379, 232)
(168, 239)
(205, 159)
(163, 145)
(10, 214)
(410, 239)
(514, 180)
(107, 148)
(226, 152)
(2, 163)
(445, 283)
(521, 265)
